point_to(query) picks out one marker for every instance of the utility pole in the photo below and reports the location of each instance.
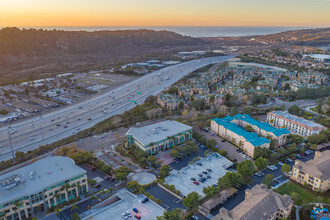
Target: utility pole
(11, 146)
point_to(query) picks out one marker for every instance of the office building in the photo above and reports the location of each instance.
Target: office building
(39, 186)
(159, 136)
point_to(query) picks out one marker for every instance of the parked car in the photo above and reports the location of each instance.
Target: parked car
(204, 172)
(145, 200)
(280, 163)
(196, 182)
(137, 216)
(98, 185)
(135, 210)
(193, 179)
(209, 170)
(199, 164)
(223, 140)
(208, 176)
(289, 160)
(258, 174)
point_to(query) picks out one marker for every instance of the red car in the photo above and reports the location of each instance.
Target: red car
(137, 216)
(292, 158)
(196, 182)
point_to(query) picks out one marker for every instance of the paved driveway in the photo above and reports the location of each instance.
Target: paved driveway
(231, 149)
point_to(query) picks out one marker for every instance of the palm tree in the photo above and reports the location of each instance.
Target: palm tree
(103, 191)
(110, 190)
(94, 197)
(57, 210)
(16, 208)
(74, 207)
(75, 216)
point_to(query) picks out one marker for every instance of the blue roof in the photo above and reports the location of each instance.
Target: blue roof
(253, 138)
(262, 125)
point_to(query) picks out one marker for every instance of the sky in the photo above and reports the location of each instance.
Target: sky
(295, 13)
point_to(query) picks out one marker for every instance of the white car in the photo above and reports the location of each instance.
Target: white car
(280, 163)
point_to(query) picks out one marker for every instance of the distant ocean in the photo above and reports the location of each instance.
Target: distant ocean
(193, 31)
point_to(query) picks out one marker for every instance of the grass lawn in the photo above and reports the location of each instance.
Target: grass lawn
(301, 195)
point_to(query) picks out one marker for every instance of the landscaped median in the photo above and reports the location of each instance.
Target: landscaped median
(302, 195)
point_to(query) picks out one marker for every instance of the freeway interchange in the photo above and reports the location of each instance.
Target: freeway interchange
(48, 128)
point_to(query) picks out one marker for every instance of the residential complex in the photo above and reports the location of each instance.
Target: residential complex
(159, 136)
(39, 186)
(229, 130)
(259, 203)
(262, 128)
(314, 173)
(293, 123)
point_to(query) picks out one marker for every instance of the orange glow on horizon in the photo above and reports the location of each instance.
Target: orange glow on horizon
(168, 13)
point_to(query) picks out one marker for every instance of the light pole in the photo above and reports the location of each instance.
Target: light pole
(11, 146)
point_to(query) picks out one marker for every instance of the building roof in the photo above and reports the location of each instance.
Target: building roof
(36, 177)
(157, 132)
(260, 203)
(297, 120)
(318, 167)
(222, 196)
(253, 138)
(262, 125)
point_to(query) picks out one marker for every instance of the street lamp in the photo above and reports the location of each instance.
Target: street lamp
(11, 146)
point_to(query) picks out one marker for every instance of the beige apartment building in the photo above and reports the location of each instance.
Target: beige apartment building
(40, 186)
(294, 124)
(259, 203)
(248, 141)
(315, 173)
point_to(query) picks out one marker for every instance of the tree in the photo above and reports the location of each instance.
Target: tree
(261, 163)
(74, 207)
(142, 190)
(133, 185)
(297, 139)
(295, 196)
(192, 200)
(210, 191)
(175, 153)
(164, 171)
(121, 173)
(57, 210)
(212, 98)
(170, 215)
(223, 152)
(152, 160)
(268, 179)
(211, 143)
(75, 216)
(143, 161)
(260, 152)
(249, 128)
(246, 168)
(285, 168)
(230, 179)
(206, 152)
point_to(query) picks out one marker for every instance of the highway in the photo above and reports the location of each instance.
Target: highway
(48, 128)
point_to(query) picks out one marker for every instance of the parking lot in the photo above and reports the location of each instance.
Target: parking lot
(100, 178)
(185, 160)
(182, 181)
(124, 202)
(278, 180)
(231, 149)
(169, 201)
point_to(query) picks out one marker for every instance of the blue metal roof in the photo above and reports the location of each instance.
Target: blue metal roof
(262, 125)
(253, 138)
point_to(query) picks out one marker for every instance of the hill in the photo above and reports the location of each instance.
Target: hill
(26, 52)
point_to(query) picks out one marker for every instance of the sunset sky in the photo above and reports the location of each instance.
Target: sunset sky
(165, 13)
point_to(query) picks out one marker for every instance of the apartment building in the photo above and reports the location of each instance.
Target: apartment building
(294, 124)
(314, 173)
(263, 129)
(159, 136)
(248, 141)
(39, 186)
(259, 203)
